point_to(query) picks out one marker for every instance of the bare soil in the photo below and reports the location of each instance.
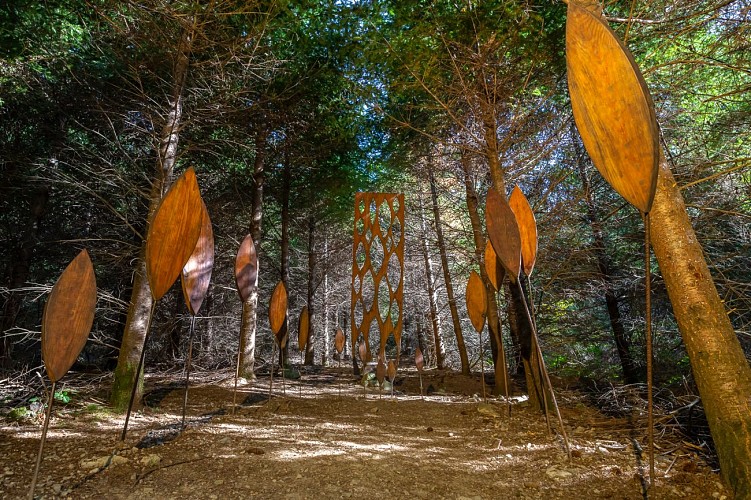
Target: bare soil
(312, 442)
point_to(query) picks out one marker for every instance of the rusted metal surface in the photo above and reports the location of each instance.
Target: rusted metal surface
(339, 341)
(477, 301)
(503, 233)
(612, 107)
(525, 220)
(246, 268)
(303, 329)
(378, 231)
(493, 267)
(419, 360)
(173, 233)
(278, 308)
(196, 274)
(68, 316)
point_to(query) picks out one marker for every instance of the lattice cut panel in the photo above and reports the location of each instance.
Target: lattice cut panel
(378, 268)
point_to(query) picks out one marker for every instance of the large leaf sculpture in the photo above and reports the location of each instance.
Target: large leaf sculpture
(339, 340)
(503, 233)
(477, 301)
(246, 268)
(68, 316)
(66, 323)
(278, 308)
(612, 107)
(525, 220)
(493, 267)
(303, 329)
(364, 352)
(196, 274)
(173, 233)
(195, 280)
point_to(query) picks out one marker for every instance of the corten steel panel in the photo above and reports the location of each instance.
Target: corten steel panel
(477, 301)
(525, 220)
(196, 274)
(369, 235)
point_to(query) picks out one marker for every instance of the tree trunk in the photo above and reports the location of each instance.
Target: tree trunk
(284, 353)
(447, 277)
(494, 324)
(440, 351)
(20, 266)
(141, 301)
(309, 351)
(326, 332)
(720, 369)
(621, 337)
(250, 307)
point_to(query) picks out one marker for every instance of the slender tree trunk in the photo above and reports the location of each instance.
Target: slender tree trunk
(720, 369)
(250, 306)
(494, 324)
(139, 311)
(621, 337)
(309, 350)
(447, 277)
(440, 351)
(326, 332)
(284, 353)
(21, 265)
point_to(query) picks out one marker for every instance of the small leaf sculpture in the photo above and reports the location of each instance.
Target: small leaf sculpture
(66, 323)
(525, 219)
(283, 336)
(68, 316)
(419, 363)
(364, 352)
(612, 107)
(493, 267)
(246, 268)
(503, 233)
(196, 274)
(173, 233)
(278, 308)
(303, 328)
(391, 373)
(339, 341)
(380, 374)
(477, 301)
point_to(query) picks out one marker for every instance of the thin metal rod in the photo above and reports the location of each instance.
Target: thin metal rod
(41, 443)
(284, 387)
(544, 370)
(134, 389)
(188, 365)
(338, 375)
(300, 381)
(648, 340)
(530, 303)
(501, 349)
(421, 394)
(271, 381)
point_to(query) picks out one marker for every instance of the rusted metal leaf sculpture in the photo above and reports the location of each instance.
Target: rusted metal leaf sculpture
(68, 316)
(66, 323)
(612, 107)
(195, 279)
(278, 308)
(380, 375)
(364, 352)
(525, 220)
(503, 233)
(391, 374)
(616, 119)
(493, 267)
(246, 268)
(173, 233)
(303, 328)
(477, 301)
(196, 274)
(339, 341)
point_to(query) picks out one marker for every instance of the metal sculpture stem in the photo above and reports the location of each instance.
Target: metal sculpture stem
(542, 370)
(545, 372)
(496, 297)
(284, 387)
(421, 394)
(138, 371)
(41, 443)
(648, 340)
(300, 381)
(338, 375)
(188, 365)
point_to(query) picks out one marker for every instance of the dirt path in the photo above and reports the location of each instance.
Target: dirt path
(312, 443)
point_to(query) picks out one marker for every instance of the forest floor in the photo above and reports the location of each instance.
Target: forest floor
(313, 442)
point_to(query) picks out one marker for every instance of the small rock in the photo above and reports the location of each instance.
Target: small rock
(56, 488)
(558, 474)
(151, 460)
(488, 410)
(602, 449)
(430, 429)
